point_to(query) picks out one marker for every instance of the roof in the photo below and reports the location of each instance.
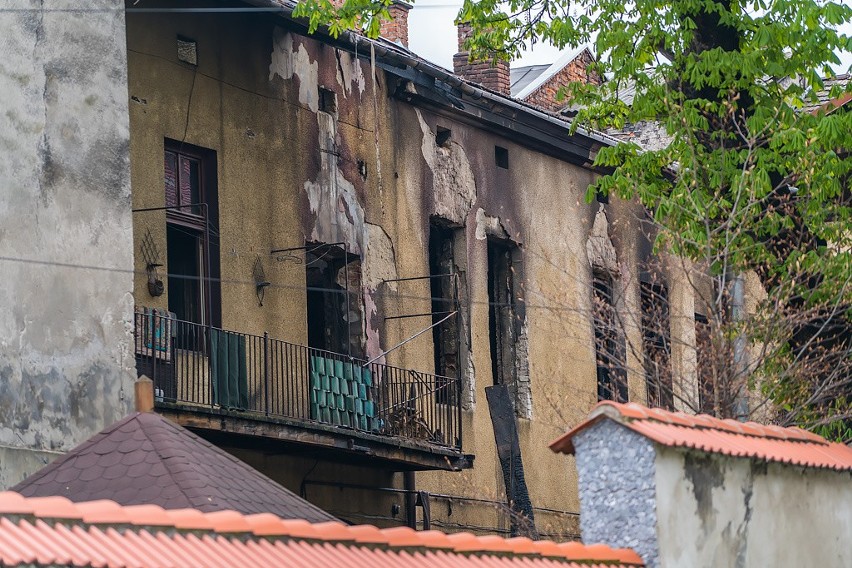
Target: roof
(55, 531)
(554, 68)
(824, 96)
(145, 459)
(792, 446)
(520, 77)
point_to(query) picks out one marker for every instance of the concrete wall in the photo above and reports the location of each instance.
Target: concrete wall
(685, 508)
(720, 511)
(253, 99)
(66, 367)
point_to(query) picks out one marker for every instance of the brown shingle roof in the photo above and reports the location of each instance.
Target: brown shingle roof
(51, 531)
(728, 437)
(145, 459)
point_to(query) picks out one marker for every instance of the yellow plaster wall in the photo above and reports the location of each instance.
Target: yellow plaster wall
(266, 132)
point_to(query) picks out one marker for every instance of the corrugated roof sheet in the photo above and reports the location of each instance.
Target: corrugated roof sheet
(146, 459)
(55, 531)
(728, 437)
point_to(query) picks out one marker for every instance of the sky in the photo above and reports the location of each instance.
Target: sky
(432, 34)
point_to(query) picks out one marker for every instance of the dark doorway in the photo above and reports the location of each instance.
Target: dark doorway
(334, 309)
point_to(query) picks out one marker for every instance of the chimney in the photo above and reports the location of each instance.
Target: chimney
(492, 74)
(144, 392)
(396, 29)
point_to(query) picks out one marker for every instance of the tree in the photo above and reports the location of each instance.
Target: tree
(754, 180)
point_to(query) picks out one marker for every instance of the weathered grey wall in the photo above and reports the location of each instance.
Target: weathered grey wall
(615, 467)
(66, 362)
(720, 511)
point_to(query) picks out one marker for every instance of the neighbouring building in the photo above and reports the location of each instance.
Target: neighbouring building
(686, 490)
(377, 282)
(66, 230)
(540, 85)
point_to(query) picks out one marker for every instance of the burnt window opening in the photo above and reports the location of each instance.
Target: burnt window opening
(704, 365)
(501, 157)
(444, 293)
(327, 100)
(192, 233)
(442, 137)
(609, 342)
(656, 345)
(506, 324)
(334, 310)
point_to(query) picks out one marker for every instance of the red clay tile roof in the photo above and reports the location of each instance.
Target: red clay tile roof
(55, 531)
(145, 459)
(739, 439)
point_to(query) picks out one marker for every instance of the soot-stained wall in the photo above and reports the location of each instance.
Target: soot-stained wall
(369, 171)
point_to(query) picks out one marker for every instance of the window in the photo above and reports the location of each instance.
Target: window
(609, 342)
(704, 364)
(501, 311)
(656, 344)
(442, 137)
(327, 101)
(444, 291)
(192, 233)
(501, 157)
(334, 309)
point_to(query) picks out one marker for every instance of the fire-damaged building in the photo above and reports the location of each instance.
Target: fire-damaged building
(370, 278)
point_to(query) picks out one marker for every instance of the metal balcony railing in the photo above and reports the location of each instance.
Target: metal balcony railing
(211, 368)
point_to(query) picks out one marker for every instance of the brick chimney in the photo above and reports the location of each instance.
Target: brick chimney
(491, 74)
(396, 29)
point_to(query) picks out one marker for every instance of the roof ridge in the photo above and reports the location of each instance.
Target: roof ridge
(704, 421)
(771, 443)
(166, 462)
(268, 525)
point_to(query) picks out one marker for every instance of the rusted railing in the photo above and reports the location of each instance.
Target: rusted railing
(214, 368)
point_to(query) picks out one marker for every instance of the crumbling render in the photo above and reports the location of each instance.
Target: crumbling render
(599, 248)
(379, 267)
(453, 185)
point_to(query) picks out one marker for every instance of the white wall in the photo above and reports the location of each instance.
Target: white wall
(720, 511)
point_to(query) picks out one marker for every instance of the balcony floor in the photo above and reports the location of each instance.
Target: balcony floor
(325, 441)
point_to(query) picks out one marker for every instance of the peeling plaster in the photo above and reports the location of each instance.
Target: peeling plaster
(286, 62)
(599, 248)
(379, 265)
(379, 258)
(488, 225)
(348, 72)
(339, 216)
(523, 391)
(454, 185)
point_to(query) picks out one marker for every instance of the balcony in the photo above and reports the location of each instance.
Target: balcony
(250, 389)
